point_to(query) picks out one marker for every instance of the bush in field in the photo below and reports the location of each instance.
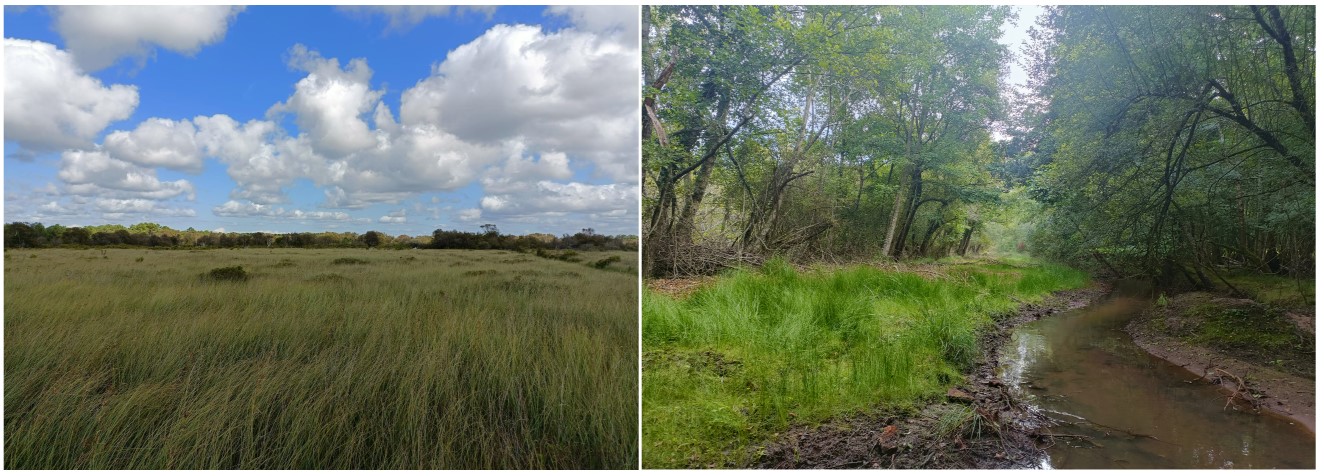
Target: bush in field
(229, 273)
(567, 255)
(349, 261)
(605, 262)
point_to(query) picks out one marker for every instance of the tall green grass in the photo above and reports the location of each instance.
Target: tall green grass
(412, 360)
(745, 357)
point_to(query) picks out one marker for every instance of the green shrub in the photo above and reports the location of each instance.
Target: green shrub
(605, 262)
(229, 273)
(349, 261)
(570, 256)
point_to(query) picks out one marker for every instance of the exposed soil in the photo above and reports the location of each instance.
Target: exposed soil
(1304, 320)
(1287, 391)
(979, 425)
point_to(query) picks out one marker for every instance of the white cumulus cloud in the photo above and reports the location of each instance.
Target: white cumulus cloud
(140, 206)
(547, 196)
(99, 35)
(260, 159)
(158, 143)
(397, 216)
(330, 103)
(469, 214)
(602, 19)
(524, 112)
(571, 91)
(96, 173)
(249, 209)
(51, 104)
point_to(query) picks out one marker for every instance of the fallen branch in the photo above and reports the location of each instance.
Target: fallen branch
(1242, 392)
(1067, 435)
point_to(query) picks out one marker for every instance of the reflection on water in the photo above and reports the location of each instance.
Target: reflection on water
(1122, 408)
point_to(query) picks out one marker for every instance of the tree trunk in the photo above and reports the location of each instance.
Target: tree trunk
(896, 217)
(912, 206)
(965, 240)
(685, 222)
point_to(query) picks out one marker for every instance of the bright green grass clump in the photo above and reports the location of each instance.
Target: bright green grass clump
(404, 361)
(741, 359)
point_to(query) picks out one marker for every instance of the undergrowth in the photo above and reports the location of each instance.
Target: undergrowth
(804, 347)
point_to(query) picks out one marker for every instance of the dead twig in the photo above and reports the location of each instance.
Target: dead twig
(1067, 435)
(1242, 392)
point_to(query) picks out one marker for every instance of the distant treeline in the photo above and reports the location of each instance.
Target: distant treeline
(37, 235)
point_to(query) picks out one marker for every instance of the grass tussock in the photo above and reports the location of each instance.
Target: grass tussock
(745, 357)
(228, 273)
(415, 366)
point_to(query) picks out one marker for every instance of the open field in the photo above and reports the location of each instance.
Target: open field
(747, 356)
(130, 358)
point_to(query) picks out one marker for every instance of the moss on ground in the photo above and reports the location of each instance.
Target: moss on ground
(1277, 291)
(1241, 328)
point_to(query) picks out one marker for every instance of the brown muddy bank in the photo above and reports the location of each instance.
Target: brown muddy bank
(1277, 380)
(980, 425)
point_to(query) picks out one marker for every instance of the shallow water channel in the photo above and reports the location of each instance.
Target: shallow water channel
(1127, 409)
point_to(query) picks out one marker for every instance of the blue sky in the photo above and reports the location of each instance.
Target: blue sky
(402, 119)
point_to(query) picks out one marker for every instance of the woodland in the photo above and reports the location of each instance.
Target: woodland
(1170, 143)
(848, 210)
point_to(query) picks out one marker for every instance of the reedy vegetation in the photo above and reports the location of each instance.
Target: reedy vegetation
(744, 358)
(414, 359)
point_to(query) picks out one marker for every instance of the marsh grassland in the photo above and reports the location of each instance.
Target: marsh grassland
(132, 358)
(744, 358)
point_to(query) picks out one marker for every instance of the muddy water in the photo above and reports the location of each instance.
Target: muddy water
(1126, 409)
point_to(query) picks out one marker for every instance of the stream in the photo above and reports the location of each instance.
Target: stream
(1123, 408)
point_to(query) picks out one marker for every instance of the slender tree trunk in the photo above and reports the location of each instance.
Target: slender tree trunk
(965, 240)
(911, 209)
(685, 222)
(896, 217)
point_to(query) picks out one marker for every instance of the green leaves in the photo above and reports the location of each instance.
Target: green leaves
(1171, 132)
